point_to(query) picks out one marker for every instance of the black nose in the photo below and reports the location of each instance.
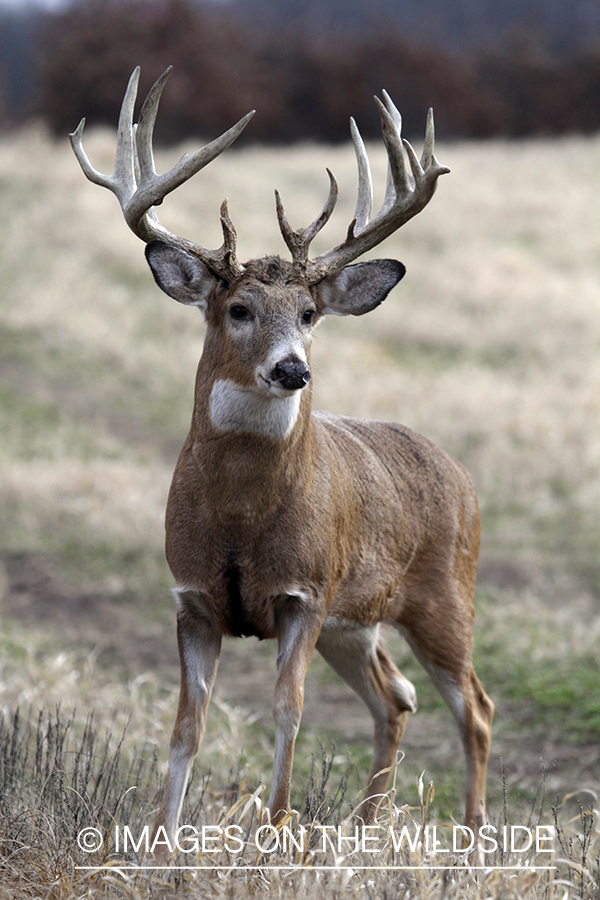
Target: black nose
(291, 375)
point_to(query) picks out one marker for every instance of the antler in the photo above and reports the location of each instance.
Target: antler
(407, 192)
(299, 241)
(139, 188)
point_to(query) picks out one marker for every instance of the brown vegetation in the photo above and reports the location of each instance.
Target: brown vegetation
(302, 79)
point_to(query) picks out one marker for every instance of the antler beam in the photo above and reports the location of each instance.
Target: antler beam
(139, 188)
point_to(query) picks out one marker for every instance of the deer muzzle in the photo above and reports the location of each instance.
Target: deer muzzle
(292, 375)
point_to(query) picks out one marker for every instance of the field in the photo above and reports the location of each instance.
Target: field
(490, 347)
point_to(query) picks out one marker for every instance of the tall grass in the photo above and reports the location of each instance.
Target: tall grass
(76, 822)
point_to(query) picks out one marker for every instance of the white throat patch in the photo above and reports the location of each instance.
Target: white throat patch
(241, 410)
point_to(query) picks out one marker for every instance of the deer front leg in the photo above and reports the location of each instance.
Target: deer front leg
(298, 631)
(199, 642)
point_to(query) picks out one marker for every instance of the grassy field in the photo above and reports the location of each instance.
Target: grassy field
(490, 346)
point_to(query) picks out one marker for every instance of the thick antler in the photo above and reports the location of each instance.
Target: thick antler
(138, 186)
(407, 192)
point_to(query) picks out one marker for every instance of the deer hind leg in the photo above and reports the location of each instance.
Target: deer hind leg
(358, 655)
(446, 656)
(199, 642)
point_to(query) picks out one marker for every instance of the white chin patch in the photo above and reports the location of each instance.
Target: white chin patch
(241, 410)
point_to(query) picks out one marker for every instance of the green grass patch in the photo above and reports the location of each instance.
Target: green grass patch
(559, 694)
(571, 538)
(525, 661)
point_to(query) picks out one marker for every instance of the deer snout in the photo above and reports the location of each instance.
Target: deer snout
(292, 374)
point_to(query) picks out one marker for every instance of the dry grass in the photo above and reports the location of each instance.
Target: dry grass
(62, 777)
(489, 346)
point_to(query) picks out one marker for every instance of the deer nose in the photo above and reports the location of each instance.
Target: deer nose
(291, 375)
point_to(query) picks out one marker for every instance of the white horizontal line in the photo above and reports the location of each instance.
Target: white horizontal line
(234, 868)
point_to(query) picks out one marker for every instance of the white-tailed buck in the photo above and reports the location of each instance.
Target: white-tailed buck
(310, 528)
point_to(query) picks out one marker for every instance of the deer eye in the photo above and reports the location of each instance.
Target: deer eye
(308, 316)
(239, 313)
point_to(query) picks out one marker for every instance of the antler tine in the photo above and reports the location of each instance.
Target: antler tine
(390, 188)
(286, 229)
(154, 188)
(90, 173)
(124, 176)
(229, 240)
(299, 241)
(364, 201)
(325, 214)
(145, 129)
(393, 110)
(139, 188)
(427, 156)
(398, 183)
(122, 181)
(407, 192)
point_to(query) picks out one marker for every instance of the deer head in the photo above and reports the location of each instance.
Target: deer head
(265, 310)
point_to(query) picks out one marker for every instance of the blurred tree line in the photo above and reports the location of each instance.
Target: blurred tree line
(304, 71)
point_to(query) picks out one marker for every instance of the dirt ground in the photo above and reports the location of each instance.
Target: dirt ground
(34, 594)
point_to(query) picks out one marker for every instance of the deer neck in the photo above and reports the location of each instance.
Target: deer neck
(243, 442)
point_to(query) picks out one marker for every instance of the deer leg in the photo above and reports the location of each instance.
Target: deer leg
(477, 739)
(298, 630)
(473, 712)
(199, 642)
(446, 656)
(358, 655)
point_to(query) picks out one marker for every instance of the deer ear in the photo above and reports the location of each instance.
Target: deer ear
(357, 289)
(180, 274)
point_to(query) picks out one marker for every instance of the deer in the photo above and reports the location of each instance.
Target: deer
(309, 528)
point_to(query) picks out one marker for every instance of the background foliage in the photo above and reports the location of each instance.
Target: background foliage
(488, 69)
